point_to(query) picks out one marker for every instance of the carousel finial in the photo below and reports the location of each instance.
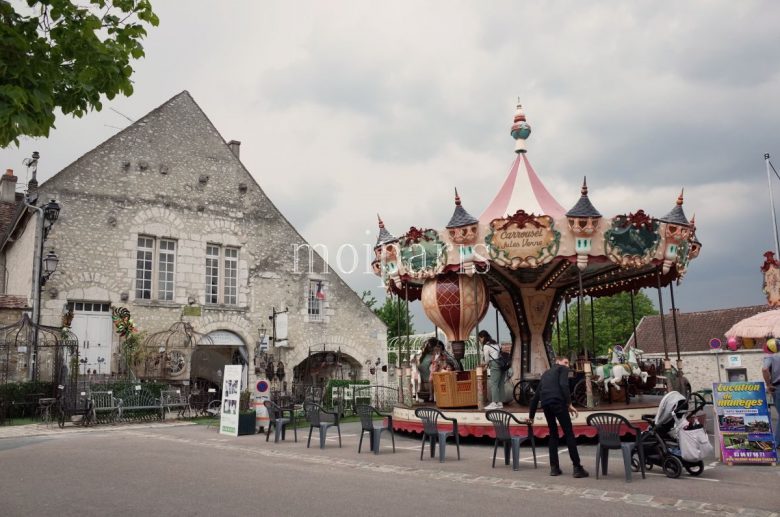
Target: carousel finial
(680, 198)
(584, 190)
(520, 129)
(457, 197)
(381, 223)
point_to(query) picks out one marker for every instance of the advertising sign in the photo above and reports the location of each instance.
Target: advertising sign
(231, 390)
(523, 240)
(744, 423)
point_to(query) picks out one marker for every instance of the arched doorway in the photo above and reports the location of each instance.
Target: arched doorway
(209, 358)
(320, 367)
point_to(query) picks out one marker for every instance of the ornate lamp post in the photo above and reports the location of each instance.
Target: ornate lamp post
(42, 268)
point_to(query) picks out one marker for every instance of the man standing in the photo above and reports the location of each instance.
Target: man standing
(490, 353)
(771, 371)
(554, 396)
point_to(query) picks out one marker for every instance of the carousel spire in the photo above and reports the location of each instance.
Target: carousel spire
(676, 215)
(584, 208)
(384, 236)
(460, 217)
(520, 129)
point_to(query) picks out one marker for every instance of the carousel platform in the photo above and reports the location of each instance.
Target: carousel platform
(472, 421)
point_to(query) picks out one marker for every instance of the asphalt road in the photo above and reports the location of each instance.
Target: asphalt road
(191, 470)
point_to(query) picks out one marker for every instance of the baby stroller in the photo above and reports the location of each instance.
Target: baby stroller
(661, 442)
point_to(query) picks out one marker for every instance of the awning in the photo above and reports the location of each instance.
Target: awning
(763, 324)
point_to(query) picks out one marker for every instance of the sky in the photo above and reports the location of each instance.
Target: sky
(346, 109)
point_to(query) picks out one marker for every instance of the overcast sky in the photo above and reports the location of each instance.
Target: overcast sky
(346, 109)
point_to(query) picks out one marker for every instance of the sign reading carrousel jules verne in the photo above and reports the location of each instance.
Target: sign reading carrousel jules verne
(523, 240)
(231, 389)
(744, 423)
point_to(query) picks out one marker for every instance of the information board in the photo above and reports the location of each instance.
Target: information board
(744, 423)
(231, 390)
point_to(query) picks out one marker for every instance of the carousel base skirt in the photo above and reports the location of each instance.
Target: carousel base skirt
(472, 421)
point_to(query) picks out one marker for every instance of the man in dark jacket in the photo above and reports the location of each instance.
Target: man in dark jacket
(555, 398)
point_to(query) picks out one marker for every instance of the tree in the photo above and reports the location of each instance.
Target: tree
(612, 317)
(389, 313)
(67, 56)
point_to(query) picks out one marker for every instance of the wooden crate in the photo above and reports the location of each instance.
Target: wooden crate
(455, 389)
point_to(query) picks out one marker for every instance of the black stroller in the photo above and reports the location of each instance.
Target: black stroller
(661, 443)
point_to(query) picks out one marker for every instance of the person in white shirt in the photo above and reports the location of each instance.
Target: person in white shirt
(490, 353)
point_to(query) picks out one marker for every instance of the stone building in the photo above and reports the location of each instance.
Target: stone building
(164, 220)
(701, 364)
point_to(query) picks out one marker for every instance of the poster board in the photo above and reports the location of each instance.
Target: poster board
(231, 390)
(744, 424)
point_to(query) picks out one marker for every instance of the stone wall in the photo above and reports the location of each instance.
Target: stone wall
(19, 263)
(701, 368)
(171, 175)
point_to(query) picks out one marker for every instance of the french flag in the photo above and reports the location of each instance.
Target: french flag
(320, 292)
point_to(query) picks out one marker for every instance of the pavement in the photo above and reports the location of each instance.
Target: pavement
(185, 469)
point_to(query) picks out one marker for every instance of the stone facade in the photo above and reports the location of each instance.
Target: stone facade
(703, 368)
(170, 176)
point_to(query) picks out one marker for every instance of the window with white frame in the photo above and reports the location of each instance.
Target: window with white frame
(221, 275)
(316, 298)
(146, 268)
(212, 274)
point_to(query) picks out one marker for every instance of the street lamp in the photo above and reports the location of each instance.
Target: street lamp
(50, 263)
(42, 268)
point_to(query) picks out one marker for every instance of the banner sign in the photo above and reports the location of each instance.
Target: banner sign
(744, 423)
(231, 389)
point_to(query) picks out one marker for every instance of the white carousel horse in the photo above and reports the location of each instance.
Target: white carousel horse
(416, 381)
(634, 356)
(613, 373)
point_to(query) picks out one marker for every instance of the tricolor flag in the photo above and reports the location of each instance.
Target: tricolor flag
(320, 295)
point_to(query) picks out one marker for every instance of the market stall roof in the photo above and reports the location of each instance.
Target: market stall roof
(763, 324)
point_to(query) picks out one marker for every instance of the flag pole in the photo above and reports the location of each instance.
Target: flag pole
(772, 204)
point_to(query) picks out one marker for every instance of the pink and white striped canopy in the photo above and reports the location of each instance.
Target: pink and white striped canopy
(522, 189)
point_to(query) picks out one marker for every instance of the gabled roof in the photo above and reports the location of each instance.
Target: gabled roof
(695, 329)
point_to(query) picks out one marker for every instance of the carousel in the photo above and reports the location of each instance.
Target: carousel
(526, 255)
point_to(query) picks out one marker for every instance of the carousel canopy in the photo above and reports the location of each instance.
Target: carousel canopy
(763, 324)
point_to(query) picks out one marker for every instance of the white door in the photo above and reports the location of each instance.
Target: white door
(92, 325)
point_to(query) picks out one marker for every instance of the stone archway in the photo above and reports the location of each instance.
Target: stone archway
(209, 358)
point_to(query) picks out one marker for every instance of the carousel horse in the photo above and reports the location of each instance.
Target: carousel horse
(634, 357)
(614, 372)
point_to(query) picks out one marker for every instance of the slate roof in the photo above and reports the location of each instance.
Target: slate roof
(460, 217)
(584, 208)
(676, 216)
(695, 329)
(11, 301)
(9, 213)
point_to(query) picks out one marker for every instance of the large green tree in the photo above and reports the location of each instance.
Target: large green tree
(59, 54)
(613, 323)
(390, 314)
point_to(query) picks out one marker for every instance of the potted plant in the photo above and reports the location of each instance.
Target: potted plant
(246, 415)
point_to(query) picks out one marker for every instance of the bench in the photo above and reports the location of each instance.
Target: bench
(138, 403)
(105, 406)
(175, 399)
(68, 406)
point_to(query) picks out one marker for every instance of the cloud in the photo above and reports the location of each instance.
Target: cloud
(346, 109)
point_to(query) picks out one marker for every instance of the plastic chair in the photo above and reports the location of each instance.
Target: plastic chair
(501, 424)
(277, 420)
(429, 417)
(366, 414)
(609, 427)
(314, 413)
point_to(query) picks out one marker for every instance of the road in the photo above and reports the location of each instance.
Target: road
(170, 469)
